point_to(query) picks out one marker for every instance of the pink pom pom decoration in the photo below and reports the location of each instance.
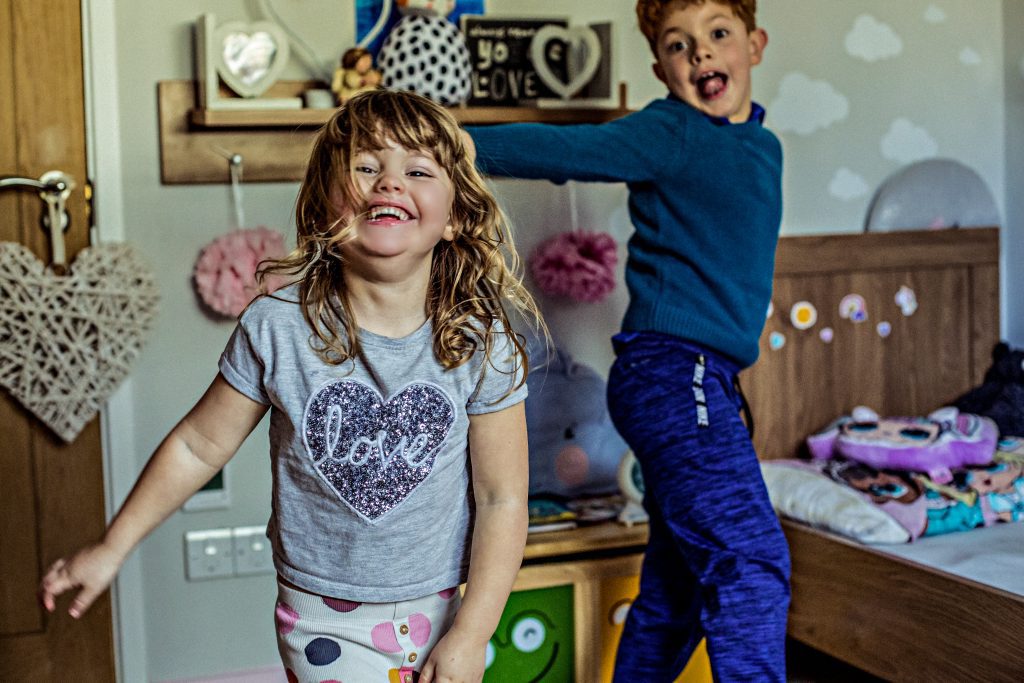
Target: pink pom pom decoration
(579, 265)
(225, 274)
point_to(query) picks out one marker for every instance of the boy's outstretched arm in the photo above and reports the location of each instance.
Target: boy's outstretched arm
(499, 455)
(196, 449)
(630, 149)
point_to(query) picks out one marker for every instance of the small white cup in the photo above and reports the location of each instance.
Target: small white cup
(318, 99)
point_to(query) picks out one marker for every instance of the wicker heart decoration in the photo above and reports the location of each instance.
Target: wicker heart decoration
(67, 342)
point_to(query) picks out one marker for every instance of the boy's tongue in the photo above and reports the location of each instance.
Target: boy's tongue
(711, 86)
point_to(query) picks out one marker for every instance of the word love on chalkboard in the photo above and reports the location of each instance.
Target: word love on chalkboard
(503, 71)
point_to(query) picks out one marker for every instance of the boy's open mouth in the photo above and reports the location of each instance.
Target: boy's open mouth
(711, 84)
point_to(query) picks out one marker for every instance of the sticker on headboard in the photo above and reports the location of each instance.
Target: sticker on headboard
(906, 299)
(853, 307)
(776, 340)
(770, 311)
(884, 329)
(803, 315)
(827, 334)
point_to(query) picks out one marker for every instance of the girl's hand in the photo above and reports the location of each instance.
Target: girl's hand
(92, 569)
(458, 658)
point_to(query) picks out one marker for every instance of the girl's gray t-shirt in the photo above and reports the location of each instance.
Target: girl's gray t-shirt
(372, 494)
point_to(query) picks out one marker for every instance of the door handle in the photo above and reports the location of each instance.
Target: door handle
(22, 182)
(54, 188)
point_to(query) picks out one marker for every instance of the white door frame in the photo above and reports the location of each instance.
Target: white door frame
(120, 457)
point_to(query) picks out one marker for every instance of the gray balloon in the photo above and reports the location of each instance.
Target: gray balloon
(931, 194)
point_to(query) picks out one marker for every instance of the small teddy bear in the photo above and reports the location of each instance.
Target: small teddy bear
(354, 74)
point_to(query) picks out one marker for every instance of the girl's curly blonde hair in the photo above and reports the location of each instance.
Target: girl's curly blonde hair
(474, 278)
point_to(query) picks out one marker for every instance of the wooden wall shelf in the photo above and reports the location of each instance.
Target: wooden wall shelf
(195, 143)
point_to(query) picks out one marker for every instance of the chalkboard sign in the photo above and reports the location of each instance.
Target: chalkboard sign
(499, 50)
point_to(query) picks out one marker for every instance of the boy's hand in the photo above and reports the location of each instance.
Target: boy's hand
(458, 658)
(92, 569)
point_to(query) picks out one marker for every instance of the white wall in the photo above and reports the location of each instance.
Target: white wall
(968, 108)
(1013, 236)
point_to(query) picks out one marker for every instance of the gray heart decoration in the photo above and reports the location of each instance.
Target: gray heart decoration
(577, 38)
(375, 452)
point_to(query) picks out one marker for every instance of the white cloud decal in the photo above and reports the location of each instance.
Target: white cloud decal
(907, 143)
(803, 105)
(871, 40)
(934, 14)
(847, 185)
(969, 57)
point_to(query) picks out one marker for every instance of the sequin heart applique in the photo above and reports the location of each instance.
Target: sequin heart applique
(372, 452)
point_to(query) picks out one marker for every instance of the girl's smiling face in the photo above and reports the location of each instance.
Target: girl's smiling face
(705, 55)
(407, 203)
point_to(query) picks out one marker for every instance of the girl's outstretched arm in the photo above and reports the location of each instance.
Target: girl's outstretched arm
(499, 455)
(196, 449)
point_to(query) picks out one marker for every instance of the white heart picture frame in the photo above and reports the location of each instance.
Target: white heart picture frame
(246, 57)
(250, 57)
(573, 36)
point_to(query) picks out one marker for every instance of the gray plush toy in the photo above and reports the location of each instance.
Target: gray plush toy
(574, 447)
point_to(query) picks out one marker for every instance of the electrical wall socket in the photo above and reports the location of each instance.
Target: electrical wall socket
(253, 554)
(209, 554)
(217, 553)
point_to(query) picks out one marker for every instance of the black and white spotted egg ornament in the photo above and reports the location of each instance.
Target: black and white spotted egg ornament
(427, 54)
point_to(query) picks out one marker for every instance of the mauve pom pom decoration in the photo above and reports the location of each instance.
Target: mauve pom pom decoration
(225, 274)
(579, 265)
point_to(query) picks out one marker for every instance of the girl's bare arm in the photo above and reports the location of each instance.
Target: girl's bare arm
(499, 455)
(196, 449)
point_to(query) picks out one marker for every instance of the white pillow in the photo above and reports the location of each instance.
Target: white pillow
(814, 499)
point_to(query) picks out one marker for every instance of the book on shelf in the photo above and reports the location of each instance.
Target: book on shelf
(551, 526)
(597, 508)
(550, 514)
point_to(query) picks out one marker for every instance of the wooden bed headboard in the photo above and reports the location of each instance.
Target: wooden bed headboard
(928, 358)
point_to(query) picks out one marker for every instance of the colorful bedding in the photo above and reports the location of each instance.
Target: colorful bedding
(974, 496)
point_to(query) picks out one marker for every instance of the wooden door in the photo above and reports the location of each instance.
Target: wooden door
(51, 493)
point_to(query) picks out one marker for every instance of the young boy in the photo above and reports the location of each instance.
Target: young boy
(704, 182)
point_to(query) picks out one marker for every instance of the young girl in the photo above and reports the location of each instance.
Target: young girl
(395, 388)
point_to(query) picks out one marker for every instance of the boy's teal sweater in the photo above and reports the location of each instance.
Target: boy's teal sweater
(705, 200)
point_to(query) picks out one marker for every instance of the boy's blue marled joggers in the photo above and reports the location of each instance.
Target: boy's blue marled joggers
(717, 563)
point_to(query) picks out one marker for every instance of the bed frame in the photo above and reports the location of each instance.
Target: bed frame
(891, 617)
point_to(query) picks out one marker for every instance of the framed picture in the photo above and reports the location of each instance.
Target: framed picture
(504, 70)
(236, 62)
(538, 61)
